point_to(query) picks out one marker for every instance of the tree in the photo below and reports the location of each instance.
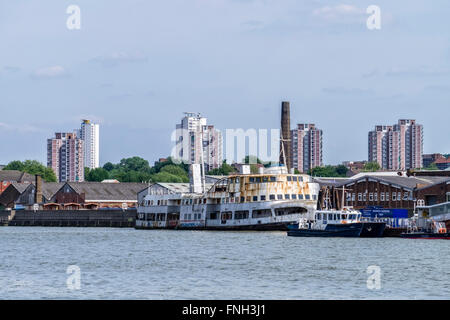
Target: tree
(224, 170)
(97, 174)
(341, 170)
(432, 166)
(371, 167)
(108, 166)
(328, 171)
(33, 167)
(176, 171)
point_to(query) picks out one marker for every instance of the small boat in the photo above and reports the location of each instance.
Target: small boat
(329, 223)
(426, 229)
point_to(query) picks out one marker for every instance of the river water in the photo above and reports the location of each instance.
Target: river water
(162, 264)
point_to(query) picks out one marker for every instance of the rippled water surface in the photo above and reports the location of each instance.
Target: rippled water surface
(157, 264)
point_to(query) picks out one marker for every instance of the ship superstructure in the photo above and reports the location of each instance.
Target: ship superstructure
(269, 200)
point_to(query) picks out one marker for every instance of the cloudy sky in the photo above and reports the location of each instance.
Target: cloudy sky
(136, 65)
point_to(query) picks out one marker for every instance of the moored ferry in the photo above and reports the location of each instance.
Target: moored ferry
(269, 200)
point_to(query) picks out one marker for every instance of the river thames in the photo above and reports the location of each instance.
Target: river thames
(162, 264)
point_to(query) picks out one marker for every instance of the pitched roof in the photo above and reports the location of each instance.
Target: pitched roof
(20, 186)
(442, 160)
(16, 175)
(98, 191)
(403, 181)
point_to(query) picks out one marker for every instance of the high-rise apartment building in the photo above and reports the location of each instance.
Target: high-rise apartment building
(306, 147)
(89, 133)
(196, 142)
(397, 147)
(65, 155)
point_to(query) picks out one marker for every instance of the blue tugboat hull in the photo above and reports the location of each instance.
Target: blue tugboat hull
(332, 230)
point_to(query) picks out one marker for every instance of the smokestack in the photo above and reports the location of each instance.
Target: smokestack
(38, 197)
(285, 144)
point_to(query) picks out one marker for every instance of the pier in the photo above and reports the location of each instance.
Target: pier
(69, 218)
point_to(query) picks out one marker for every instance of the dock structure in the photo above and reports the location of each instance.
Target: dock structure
(69, 218)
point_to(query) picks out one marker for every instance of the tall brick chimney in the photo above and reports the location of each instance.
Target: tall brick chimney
(286, 134)
(38, 197)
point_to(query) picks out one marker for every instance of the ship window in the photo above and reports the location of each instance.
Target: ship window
(248, 199)
(263, 198)
(294, 196)
(359, 196)
(258, 179)
(330, 216)
(286, 196)
(261, 213)
(265, 179)
(294, 178)
(382, 196)
(371, 196)
(394, 196)
(273, 179)
(300, 197)
(344, 216)
(314, 197)
(289, 178)
(252, 179)
(255, 198)
(399, 196)
(307, 196)
(242, 199)
(279, 196)
(241, 215)
(300, 178)
(272, 197)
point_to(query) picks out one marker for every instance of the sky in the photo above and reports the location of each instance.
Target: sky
(135, 66)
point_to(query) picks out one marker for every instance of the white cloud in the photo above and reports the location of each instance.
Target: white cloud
(117, 58)
(339, 13)
(23, 128)
(49, 72)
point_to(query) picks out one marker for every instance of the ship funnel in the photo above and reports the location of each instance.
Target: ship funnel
(195, 178)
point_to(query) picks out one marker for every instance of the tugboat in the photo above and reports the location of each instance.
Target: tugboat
(328, 223)
(337, 223)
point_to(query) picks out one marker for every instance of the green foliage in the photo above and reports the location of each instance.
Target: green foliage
(174, 170)
(108, 166)
(328, 171)
(224, 170)
(33, 167)
(371, 167)
(432, 166)
(136, 169)
(165, 176)
(97, 174)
